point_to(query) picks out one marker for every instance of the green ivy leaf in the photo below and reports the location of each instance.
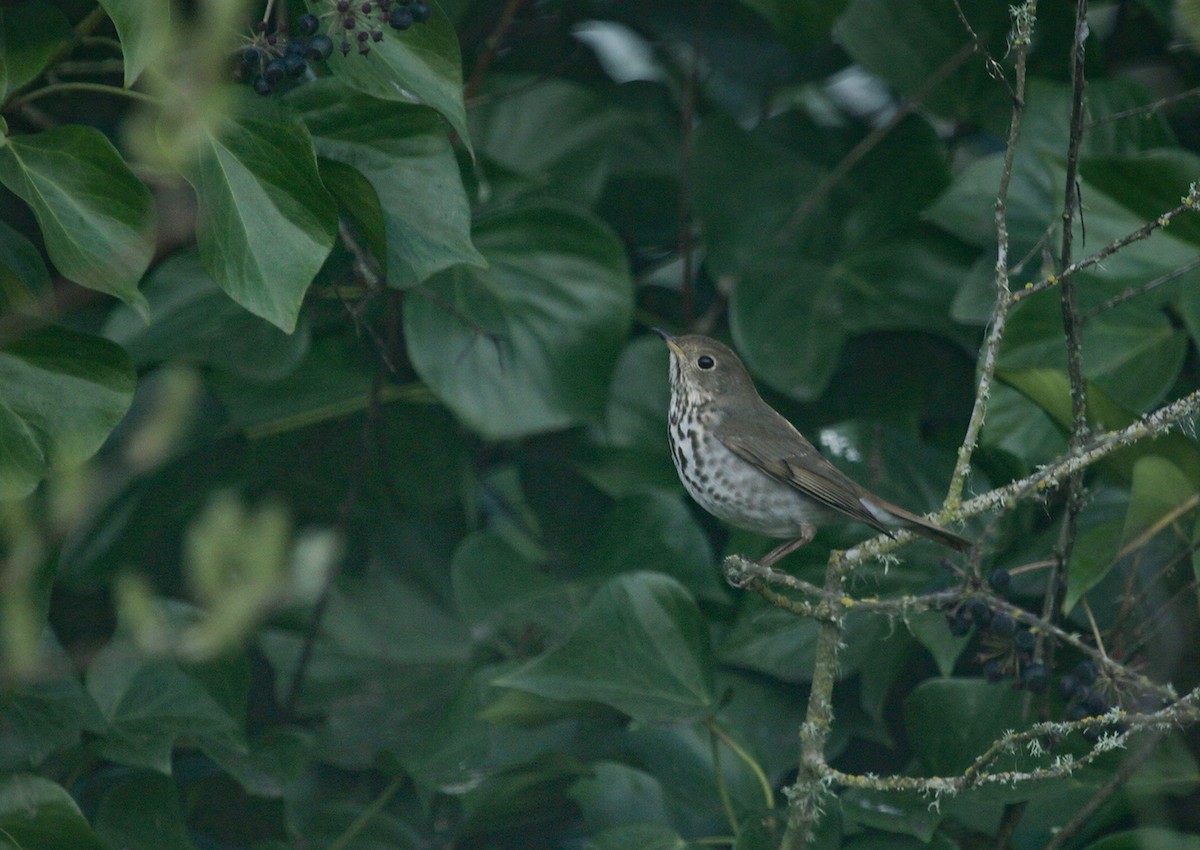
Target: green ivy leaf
(143, 29)
(616, 794)
(799, 22)
(637, 836)
(527, 344)
(95, 215)
(387, 661)
(266, 223)
(403, 152)
(422, 65)
(30, 33)
(1160, 488)
(907, 42)
(952, 721)
(495, 584)
(652, 531)
(1133, 354)
(555, 134)
(905, 813)
(23, 275)
(193, 321)
(61, 393)
(143, 813)
(785, 316)
(931, 631)
(773, 641)
(148, 705)
(628, 453)
(1147, 838)
(43, 717)
(641, 646)
(37, 814)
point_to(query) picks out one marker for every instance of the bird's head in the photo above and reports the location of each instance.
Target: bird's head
(705, 368)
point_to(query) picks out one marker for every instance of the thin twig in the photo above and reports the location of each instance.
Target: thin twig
(1023, 20)
(722, 786)
(1144, 109)
(1130, 294)
(67, 88)
(868, 143)
(1056, 585)
(740, 751)
(491, 48)
(993, 67)
(1187, 204)
(1115, 782)
(82, 30)
(368, 814)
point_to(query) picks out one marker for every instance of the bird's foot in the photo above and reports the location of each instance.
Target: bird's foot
(740, 571)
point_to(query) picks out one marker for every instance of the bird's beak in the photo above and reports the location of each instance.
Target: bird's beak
(670, 341)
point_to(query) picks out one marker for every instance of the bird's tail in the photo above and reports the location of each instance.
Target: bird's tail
(925, 528)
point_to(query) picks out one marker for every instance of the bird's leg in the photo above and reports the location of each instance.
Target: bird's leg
(783, 549)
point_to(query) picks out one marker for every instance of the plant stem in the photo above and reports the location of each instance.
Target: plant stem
(98, 88)
(366, 815)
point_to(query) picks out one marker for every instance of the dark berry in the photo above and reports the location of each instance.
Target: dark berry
(1035, 677)
(420, 11)
(261, 26)
(1085, 672)
(307, 24)
(1024, 640)
(993, 669)
(275, 71)
(345, 46)
(980, 612)
(363, 35)
(1095, 704)
(400, 18)
(296, 46)
(1000, 580)
(377, 35)
(1003, 625)
(349, 23)
(251, 55)
(366, 8)
(958, 624)
(261, 86)
(320, 48)
(294, 65)
(1068, 686)
(343, 6)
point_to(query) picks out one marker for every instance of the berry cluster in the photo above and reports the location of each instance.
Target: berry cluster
(1006, 646)
(1006, 650)
(273, 57)
(361, 22)
(1085, 695)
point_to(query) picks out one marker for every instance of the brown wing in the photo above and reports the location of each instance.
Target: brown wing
(762, 437)
(779, 450)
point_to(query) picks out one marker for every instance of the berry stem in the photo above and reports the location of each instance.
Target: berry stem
(99, 88)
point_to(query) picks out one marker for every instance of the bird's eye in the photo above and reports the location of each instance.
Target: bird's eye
(705, 362)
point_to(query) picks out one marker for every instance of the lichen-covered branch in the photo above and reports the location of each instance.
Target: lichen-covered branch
(1023, 18)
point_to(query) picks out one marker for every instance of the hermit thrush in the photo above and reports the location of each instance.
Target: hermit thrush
(747, 465)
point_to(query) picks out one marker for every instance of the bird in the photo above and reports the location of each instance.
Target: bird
(743, 462)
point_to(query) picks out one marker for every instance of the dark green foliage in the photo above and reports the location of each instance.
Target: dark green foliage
(336, 509)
